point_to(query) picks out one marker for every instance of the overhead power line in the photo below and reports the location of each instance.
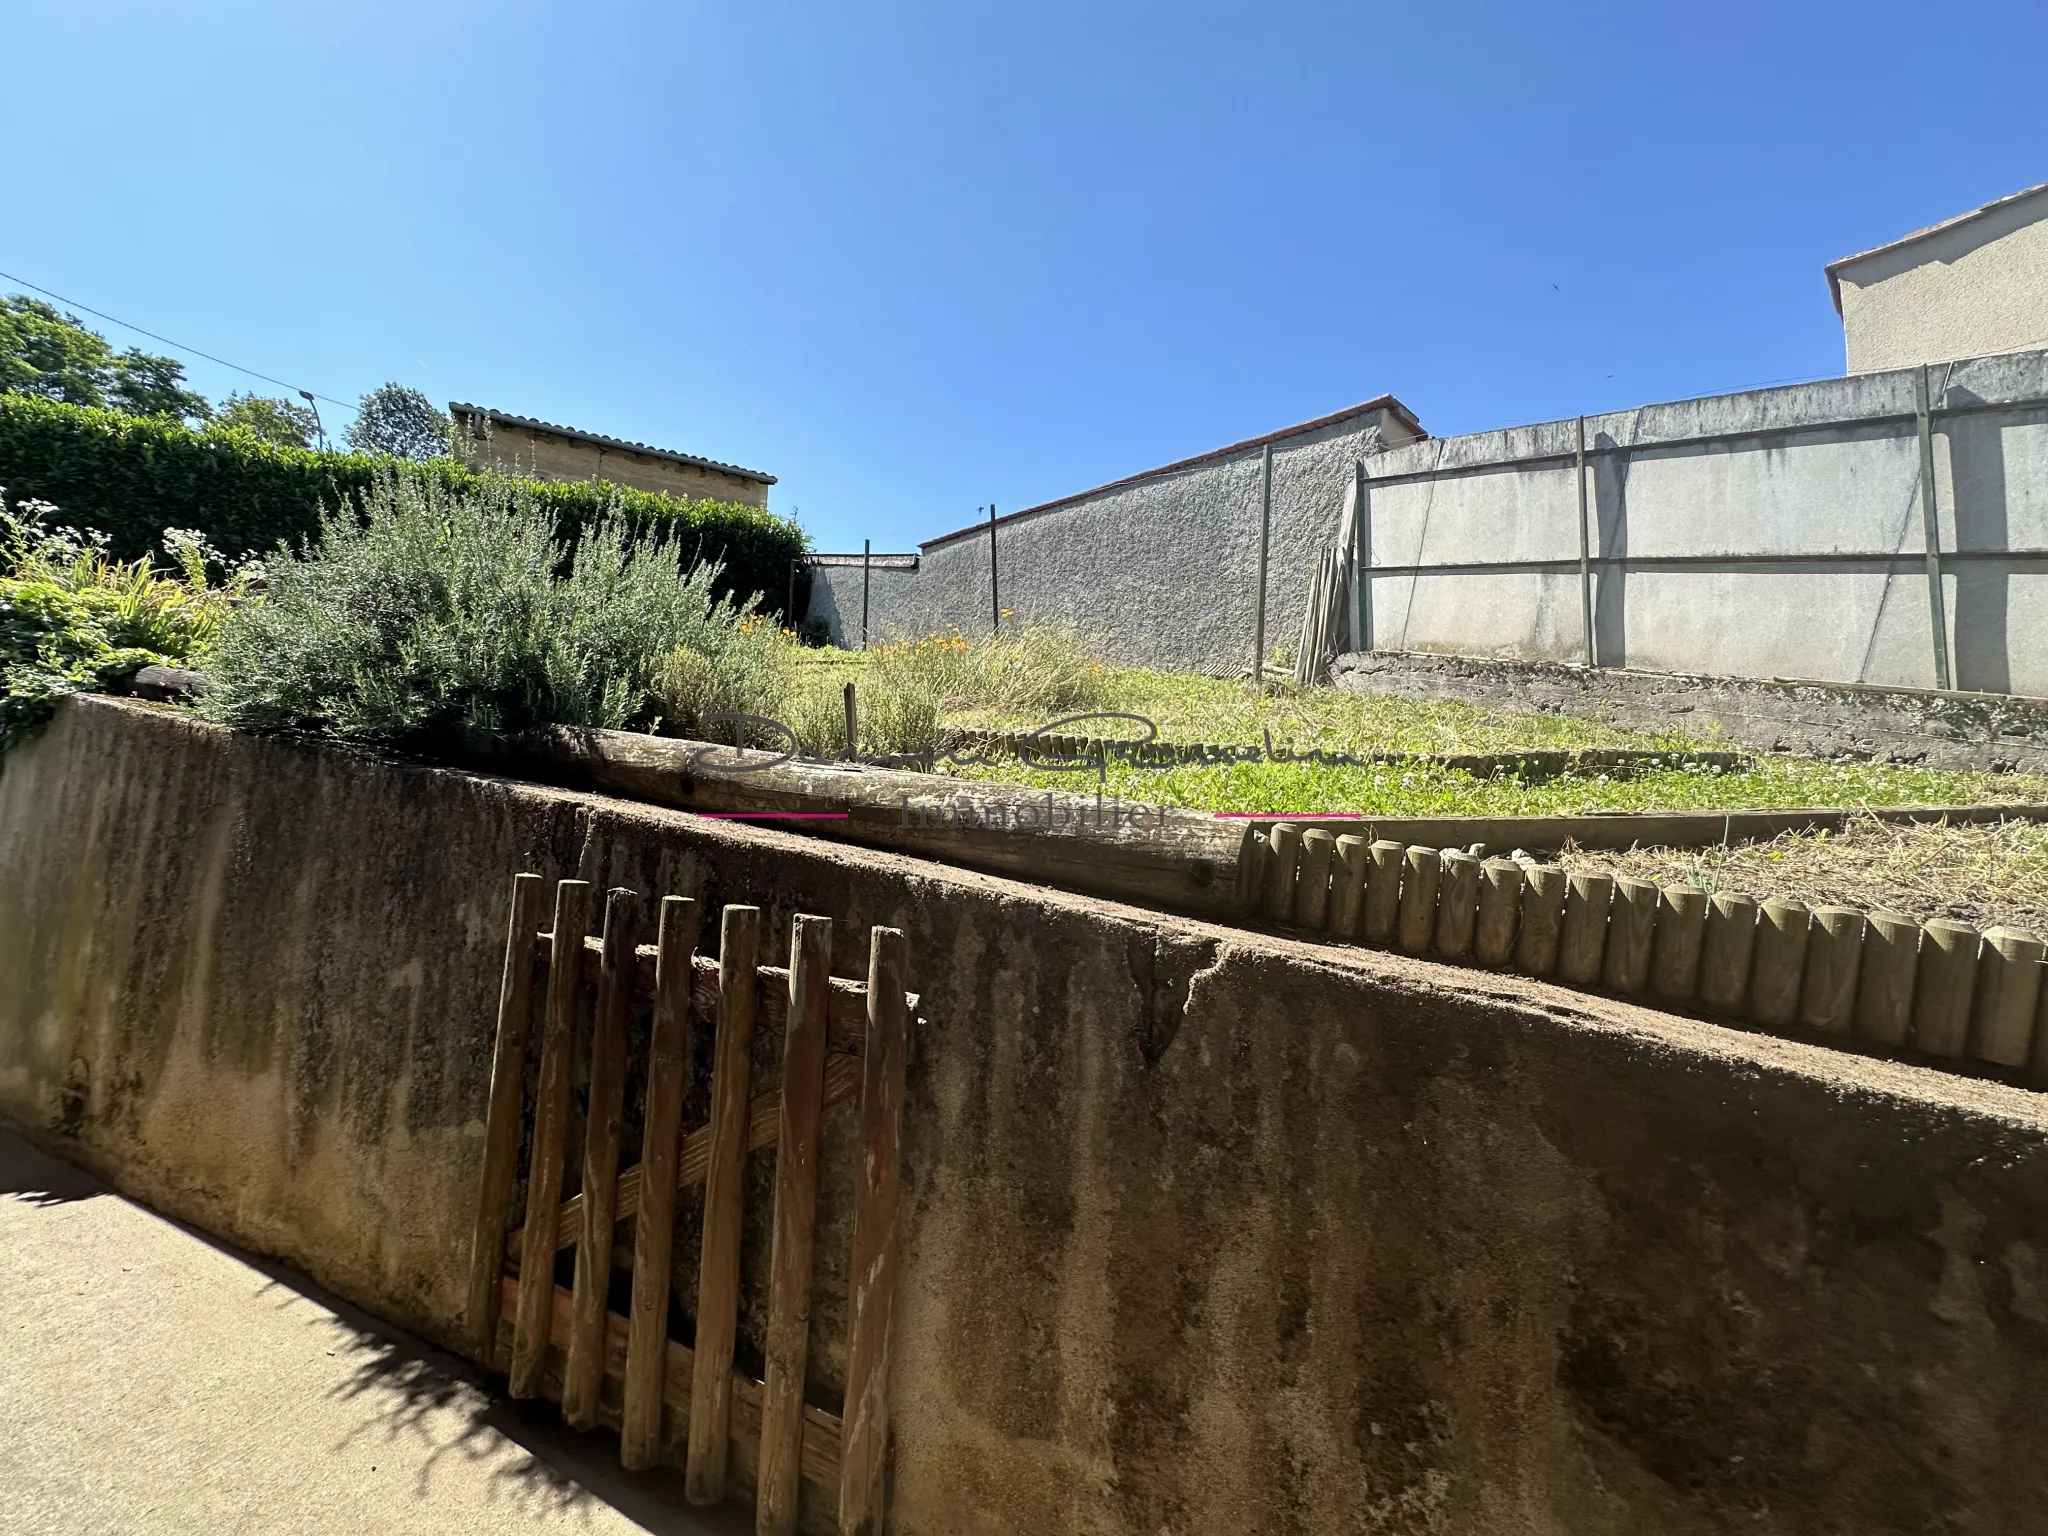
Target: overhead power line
(347, 405)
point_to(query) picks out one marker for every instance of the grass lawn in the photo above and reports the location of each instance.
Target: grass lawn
(1190, 707)
(1303, 788)
(1974, 874)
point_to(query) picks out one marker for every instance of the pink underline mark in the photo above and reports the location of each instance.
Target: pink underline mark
(1290, 815)
(779, 815)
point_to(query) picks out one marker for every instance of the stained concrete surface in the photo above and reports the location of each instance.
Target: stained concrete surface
(1987, 733)
(156, 1380)
(1204, 1229)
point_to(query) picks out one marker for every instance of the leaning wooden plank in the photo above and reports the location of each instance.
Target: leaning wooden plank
(501, 1119)
(821, 1429)
(786, 1345)
(607, 1110)
(866, 1421)
(550, 1132)
(668, 1076)
(718, 1264)
(764, 1113)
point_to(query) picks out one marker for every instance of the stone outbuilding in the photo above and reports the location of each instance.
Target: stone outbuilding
(488, 439)
(1972, 286)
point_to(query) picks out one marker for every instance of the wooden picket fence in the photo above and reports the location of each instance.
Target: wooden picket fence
(1836, 975)
(842, 1041)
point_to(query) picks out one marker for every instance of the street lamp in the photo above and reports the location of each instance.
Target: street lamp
(307, 396)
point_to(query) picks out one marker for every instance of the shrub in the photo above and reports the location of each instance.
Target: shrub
(72, 618)
(748, 672)
(434, 613)
(1039, 669)
(131, 478)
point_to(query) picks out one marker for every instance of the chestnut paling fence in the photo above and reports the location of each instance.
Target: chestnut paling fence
(687, 1403)
(1942, 990)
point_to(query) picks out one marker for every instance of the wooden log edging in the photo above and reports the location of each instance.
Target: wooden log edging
(1940, 991)
(1196, 863)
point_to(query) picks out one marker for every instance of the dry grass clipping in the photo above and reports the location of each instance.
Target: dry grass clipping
(1978, 874)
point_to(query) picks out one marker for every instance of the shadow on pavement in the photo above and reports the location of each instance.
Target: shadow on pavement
(29, 1173)
(563, 1466)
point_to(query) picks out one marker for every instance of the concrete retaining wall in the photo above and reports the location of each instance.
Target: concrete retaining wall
(1957, 731)
(1715, 522)
(1164, 565)
(1204, 1230)
(1831, 468)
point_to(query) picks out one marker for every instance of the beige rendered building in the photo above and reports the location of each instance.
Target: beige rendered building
(520, 445)
(1972, 286)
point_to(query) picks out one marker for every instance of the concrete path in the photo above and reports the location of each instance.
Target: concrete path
(153, 1380)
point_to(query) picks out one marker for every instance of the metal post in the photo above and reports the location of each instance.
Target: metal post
(1265, 543)
(1930, 522)
(852, 724)
(1361, 560)
(866, 546)
(1586, 553)
(995, 598)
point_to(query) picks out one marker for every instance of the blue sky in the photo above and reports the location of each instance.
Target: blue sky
(912, 259)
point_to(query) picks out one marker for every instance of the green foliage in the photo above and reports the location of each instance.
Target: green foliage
(131, 478)
(147, 385)
(72, 618)
(746, 670)
(400, 422)
(1036, 669)
(46, 352)
(283, 422)
(437, 612)
(1776, 783)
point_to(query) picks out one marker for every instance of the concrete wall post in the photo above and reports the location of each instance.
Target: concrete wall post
(1585, 550)
(1265, 546)
(1361, 559)
(1930, 523)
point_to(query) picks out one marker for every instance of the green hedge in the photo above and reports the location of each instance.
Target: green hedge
(134, 476)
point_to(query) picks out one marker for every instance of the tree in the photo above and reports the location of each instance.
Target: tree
(401, 422)
(46, 352)
(145, 385)
(285, 422)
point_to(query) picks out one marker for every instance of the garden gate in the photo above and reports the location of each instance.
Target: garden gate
(841, 1040)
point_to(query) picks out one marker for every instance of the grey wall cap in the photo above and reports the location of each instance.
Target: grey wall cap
(2010, 378)
(874, 562)
(1385, 403)
(467, 413)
